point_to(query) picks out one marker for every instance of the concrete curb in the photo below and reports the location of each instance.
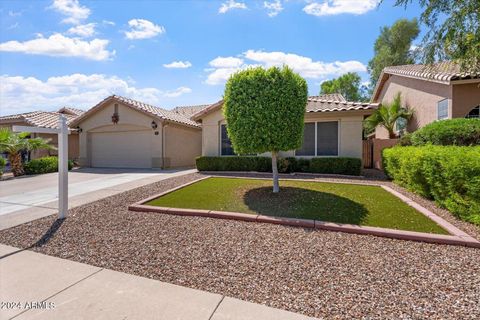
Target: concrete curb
(456, 237)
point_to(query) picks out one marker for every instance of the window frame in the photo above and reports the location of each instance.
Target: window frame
(438, 106)
(220, 142)
(338, 121)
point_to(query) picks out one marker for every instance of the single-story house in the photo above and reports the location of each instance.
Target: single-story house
(433, 92)
(43, 119)
(333, 127)
(121, 132)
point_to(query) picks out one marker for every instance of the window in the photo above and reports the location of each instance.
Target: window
(226, 144)
(474, 113)
(319, 139)
(308, 145)
(442, 109)
(327, 138)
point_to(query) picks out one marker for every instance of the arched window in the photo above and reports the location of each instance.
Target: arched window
(474, 113)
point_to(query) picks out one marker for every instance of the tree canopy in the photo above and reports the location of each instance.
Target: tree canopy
(349, 85)
(393, 47)
(453, 31)
(264, 110)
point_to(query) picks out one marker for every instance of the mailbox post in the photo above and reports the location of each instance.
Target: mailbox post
(62, 133)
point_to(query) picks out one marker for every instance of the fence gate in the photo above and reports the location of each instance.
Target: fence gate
(367, 153)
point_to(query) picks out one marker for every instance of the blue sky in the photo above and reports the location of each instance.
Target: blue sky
(170, 53)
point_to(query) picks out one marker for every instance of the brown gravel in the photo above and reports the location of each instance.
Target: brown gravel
(318, 273)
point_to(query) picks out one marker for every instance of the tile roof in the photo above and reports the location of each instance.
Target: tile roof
(71, 110)
(40, 119)
(444, 71)
(143, 107)
(188, 111)
(321, 103)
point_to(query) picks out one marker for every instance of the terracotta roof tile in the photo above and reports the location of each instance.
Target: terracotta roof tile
(188, 111)
(40, 119)
(71, 110)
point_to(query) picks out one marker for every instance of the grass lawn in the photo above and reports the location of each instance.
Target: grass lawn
(333, 202)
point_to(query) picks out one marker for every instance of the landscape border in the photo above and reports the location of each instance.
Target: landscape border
(456, 237)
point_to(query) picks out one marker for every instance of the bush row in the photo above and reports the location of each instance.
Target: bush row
(44, 165)
(329, 165)
(450, 175)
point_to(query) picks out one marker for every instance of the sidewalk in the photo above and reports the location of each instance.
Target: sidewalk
(57, 288)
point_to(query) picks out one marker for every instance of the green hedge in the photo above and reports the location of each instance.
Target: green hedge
(44, 165)
(460, 132)
(329, 165)
(450, 175)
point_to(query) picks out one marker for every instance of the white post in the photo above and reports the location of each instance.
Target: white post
(62, 167)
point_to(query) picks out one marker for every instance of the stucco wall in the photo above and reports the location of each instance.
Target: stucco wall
(182, 145)
(350, 132)
(129, 120)
(421, 96)
(465, 98)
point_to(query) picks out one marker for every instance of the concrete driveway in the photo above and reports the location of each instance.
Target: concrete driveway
(28, 198)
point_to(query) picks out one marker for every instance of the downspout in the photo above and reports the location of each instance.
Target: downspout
(163, 146)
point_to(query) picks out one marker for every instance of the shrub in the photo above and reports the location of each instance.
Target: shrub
(460, 132)
(3, 162)
(450, 175)
(349, 166)
(241, 163)
(44, 165)
(405, 140)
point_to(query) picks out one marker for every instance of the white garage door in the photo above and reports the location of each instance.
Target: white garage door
(130, 149)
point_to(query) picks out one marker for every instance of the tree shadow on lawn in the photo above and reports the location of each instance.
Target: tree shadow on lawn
(304, 203)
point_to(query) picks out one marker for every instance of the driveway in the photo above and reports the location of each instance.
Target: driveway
(28, 198)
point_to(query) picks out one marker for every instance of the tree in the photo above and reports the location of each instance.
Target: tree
(14, 143)
(392, 47)
(453, 31)
(264, 110)
(387, 115)
(349, 85)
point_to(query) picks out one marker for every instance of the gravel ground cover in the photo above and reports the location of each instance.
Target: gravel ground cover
(363, 205)
(318, 273)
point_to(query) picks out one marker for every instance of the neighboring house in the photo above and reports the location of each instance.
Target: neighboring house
(121, 132)
(45, 119)
(435, 92)
(333, 127)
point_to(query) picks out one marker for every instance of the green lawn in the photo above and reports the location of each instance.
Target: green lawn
(333, 202)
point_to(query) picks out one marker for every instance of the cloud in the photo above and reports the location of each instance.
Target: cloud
(178, 65)
(83, 30)
(177, 92)
(58, 45)
(14, 13)
(13, 26)
(223, 67)
(108, 22)
(143, 29)
(23, 94)
(74, 12)
(230, 5)
(334, 7)
(273, 7)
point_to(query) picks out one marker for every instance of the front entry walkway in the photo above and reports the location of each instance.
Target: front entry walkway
(37, 286)
(29, 198)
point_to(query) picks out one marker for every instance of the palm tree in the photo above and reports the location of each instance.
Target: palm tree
(14, 143)
(387, 115)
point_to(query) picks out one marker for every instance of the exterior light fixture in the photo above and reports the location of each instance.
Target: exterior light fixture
(154, 125)
(79, 130)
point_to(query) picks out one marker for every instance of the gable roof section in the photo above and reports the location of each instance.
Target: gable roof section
(156, 112)
(40, 119)
(321, 103)
(188, 111)
(443, 72)
(71, 110)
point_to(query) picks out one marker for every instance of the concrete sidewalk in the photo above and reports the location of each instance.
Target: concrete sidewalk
(29, 198)
(37, 286)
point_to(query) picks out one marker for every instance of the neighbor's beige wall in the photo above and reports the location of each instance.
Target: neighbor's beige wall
(421, 96)
(350, 132)
(129, 120)
(182, 145)
(465, 98)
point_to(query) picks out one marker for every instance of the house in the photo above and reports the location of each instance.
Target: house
(121, 132)
(45, 119)
(433, 92)
(333, 127)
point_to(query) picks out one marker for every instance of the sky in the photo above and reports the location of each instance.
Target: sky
(170, 53)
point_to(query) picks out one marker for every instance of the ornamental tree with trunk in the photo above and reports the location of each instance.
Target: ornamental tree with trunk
(264, 110)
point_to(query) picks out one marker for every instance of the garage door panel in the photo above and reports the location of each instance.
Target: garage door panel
(129, 149)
